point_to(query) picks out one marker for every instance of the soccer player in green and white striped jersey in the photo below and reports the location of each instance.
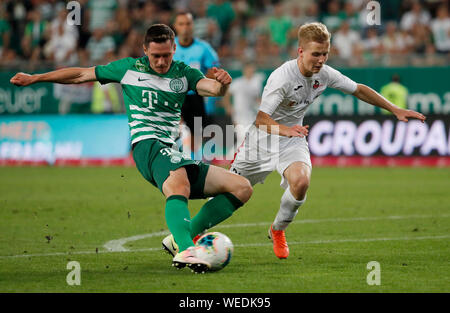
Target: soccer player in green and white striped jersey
(154, 87)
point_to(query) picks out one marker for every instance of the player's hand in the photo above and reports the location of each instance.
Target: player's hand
(298, 131)
(221, 76)
(22, 79)
(403, 115)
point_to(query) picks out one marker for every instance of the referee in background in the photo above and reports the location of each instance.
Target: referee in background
(198, 54)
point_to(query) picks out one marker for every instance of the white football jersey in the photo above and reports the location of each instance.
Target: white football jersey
(288, 94)
(246, 93)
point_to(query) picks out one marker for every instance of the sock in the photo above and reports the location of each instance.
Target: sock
(288, 210)
(179, 221)
(214, 211)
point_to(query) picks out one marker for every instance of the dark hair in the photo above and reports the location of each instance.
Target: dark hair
(159, 33)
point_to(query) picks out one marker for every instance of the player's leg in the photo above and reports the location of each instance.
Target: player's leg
(176, 188)
(201, 189)
(166, 169)
(298, 176)
(228, 197)
(229, 191)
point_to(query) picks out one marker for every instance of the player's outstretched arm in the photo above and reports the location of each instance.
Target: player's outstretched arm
(70, 75)
(370, 96)
(269, 125)
(216, 87)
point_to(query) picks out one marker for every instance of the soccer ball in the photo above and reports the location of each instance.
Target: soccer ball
(217, 250)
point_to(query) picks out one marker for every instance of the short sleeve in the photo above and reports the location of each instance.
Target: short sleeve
(114, 71)
(339, 81)
(210, 58)
(273, 94)
(193, 75)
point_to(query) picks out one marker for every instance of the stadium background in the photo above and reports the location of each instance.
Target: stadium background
(55, 124)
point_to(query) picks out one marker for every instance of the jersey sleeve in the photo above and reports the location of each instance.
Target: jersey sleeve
(339, 81)
(193, 75)
(273, 94)
(114, 71)
(210, 57)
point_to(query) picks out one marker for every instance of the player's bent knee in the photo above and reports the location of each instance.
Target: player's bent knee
(243, 190)
(176, 186)
(177, 189)
(299, 188)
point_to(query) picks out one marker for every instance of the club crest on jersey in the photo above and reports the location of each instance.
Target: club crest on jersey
(141, 67)
(176, 84)
(316, 84)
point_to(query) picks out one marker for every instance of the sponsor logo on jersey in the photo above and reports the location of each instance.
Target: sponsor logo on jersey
(298, 87)
(176, 84)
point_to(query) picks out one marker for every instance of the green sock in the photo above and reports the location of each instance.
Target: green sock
(179, 221)
(213, 212)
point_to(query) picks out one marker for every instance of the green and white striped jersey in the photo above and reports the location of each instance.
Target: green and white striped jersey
(153, 101)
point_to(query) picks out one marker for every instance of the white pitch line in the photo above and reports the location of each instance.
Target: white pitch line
(346, 240)
(118, 244)
(338, 219)
(114, 246)
(258, 244)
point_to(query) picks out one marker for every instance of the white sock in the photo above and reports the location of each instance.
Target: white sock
(288, 210)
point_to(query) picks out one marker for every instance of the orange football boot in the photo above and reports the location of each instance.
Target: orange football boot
(280, 246)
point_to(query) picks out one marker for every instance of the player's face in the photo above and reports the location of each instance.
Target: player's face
(160, 55)
(184, 26)
(313, 56)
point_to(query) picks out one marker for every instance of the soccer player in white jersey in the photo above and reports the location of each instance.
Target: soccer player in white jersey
(246, 93)
(277, 139)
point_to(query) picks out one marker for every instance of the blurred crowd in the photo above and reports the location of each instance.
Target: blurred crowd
(35, 34)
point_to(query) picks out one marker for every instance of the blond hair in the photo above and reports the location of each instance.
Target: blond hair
(317, 32)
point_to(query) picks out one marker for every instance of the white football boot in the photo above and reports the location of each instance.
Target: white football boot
(189, 258)
(170, 245)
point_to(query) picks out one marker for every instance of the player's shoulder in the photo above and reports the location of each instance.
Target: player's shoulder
(202, 43)
(120, 65)
(180, 66)
(206, 49)
(124, 61)
(284, 74)
(287, 69)
(328, 72)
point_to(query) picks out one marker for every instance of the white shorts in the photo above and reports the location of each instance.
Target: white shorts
(256, 163)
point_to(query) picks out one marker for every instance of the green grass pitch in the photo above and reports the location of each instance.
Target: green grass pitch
(398, 217)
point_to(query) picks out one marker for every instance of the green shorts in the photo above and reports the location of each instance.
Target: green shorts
(155, 159)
